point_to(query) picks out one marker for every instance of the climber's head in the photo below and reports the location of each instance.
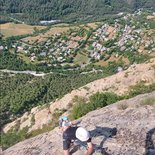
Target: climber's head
(64, 122)
(64, 118)
(82, 134)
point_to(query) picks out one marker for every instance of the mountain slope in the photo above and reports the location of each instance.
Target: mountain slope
(119, 83)
(135, 135)
(69, 10)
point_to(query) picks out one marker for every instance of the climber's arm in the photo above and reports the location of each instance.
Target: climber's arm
(66, 152)
(90, 148)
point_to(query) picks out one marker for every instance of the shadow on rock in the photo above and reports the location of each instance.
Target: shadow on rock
(99, 132)
(74, 149)
(149, 144)
(106, 133)
(103, 131)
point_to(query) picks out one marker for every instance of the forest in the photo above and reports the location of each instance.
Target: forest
(68, 10)
(21, 92)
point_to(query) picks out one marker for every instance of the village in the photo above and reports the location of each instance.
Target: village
(124, 35)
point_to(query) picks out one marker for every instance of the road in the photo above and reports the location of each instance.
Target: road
(24, 72)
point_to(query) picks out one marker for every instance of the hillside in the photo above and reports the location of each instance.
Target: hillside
(135, 125)
(136, 79)
(69, 10)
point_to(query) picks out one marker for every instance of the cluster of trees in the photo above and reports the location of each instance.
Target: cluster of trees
(4, 19)
(20, 93)
(13, 62)
(69, 10)
(136, 58)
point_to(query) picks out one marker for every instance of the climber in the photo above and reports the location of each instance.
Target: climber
(74, 133)
(71, 133)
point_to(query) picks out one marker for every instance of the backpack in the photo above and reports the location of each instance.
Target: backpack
(64, 121)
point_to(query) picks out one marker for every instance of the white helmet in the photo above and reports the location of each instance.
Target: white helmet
(82, 134)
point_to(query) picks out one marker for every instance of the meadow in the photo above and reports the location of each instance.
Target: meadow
(12, 29)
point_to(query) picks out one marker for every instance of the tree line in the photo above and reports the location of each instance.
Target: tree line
(69, 10)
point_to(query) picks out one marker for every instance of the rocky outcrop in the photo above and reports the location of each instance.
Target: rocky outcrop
(124, 128)
(35, 119)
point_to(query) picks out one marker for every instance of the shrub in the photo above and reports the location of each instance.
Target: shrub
(153, 66)
(45, 128)
(32, 120)
(140, 88)
(122, 106)
(97, 100)
(12, 138)
(79, 110)
(86, 88)
(149, 101)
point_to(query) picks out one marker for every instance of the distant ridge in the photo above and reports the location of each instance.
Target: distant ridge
(70, 10)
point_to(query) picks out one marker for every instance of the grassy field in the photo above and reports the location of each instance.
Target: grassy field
(80, 59)
(12, 29)
(43, 37)
(92, 25)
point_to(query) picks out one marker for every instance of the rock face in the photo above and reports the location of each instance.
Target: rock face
(34, 120)
(124, 128)
(119, 83)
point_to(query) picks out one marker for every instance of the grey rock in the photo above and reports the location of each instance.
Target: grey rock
(114, 131)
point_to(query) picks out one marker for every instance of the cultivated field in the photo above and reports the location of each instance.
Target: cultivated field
(43, 37)
(81, 59)
(57, 29)
(93, 25)
(12, 29)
